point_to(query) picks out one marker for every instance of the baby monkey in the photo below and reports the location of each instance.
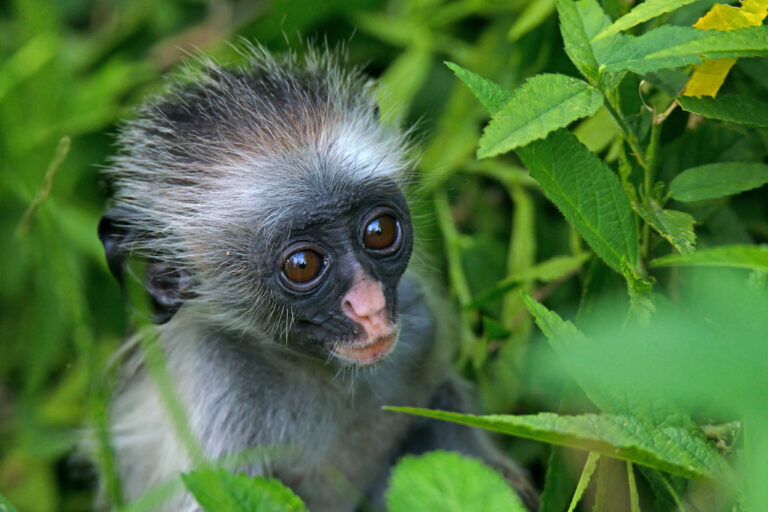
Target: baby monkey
(267, 203)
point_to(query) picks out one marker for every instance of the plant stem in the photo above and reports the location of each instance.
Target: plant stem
(649, 175)
(626, 131)
(521, 254)
(634, 498)
(62, 148)
(456, 276)
(158, 369)
(586, 476)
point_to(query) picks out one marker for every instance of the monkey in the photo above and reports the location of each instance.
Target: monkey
(268, 203)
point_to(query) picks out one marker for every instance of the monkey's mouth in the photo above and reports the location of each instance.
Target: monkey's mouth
(367, 352)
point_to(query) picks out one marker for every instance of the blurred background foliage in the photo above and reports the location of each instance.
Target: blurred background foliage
(71, 69)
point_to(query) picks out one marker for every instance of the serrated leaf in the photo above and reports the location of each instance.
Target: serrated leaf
(671, 449)
(588, 193)
(717, 180)
(563, 335)
(640, 13)
(218, 490)
(708, 77)
(541, 105)
(549, 270)
(674, 47)
(732, 108)
(448, 481)
(491, 95)
(676, 227)
(753, 257)
(728, 17)
(577, 30)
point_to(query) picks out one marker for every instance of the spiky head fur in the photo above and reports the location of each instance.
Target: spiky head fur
(212, 165)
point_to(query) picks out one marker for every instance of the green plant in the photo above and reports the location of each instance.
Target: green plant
(623, 213)
(623, 267)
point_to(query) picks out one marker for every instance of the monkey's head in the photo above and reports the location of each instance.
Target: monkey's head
(267, 202)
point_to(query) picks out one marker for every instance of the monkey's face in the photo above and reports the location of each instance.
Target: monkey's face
(321, 280)
(336, 269)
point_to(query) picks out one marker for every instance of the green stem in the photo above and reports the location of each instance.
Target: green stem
(522, 251)
(634, 498)
(158, 369)
(649, 175)
(650, 158)
(452, 239)
(586, 476)
(62, 148)
(626, 131)
(457, 278)
(101, 392)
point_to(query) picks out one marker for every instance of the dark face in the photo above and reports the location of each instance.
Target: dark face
(337, 269)
(334, 264)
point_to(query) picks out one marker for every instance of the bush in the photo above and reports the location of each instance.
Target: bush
(591, 162)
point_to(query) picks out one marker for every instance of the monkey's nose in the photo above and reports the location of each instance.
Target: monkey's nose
(364, 303)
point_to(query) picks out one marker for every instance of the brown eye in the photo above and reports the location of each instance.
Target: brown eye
(301, 267)
(382, 234)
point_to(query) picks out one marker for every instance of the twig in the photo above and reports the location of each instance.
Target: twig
(62, 148)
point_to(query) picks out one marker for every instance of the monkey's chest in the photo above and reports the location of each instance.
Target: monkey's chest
(338, 466)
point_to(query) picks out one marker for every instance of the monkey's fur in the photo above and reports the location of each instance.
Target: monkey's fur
(211, 181)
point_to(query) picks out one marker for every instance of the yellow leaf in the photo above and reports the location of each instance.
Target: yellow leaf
(708, 77)
(710, 74)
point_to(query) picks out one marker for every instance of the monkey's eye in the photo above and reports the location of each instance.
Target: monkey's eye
(302, 268)
(382, 234)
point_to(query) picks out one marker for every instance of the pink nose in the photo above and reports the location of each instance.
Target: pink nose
(365, 304)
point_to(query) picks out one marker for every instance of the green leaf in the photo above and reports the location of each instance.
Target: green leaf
(733, 108)
(597, 132)
(588, 193)
(634, 497)
(534, 14)
(717, 180)
(558, 485)
(575, 29)
(586, 475)
(541, 105)
(553, 268)
(491, 95)
(448, 481)
(218, 490)
(564, 336)
(5, 505)
(401, 81)
(674, 47)
(676, 227)
(493, 330)
(670, 449)
(753, 257)
(640, 13)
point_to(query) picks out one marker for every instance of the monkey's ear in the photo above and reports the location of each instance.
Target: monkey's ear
(113, 236)
(168, 286)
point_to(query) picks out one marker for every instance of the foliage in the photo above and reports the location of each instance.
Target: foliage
(221, 491)
(602, 185)
(448, 481)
